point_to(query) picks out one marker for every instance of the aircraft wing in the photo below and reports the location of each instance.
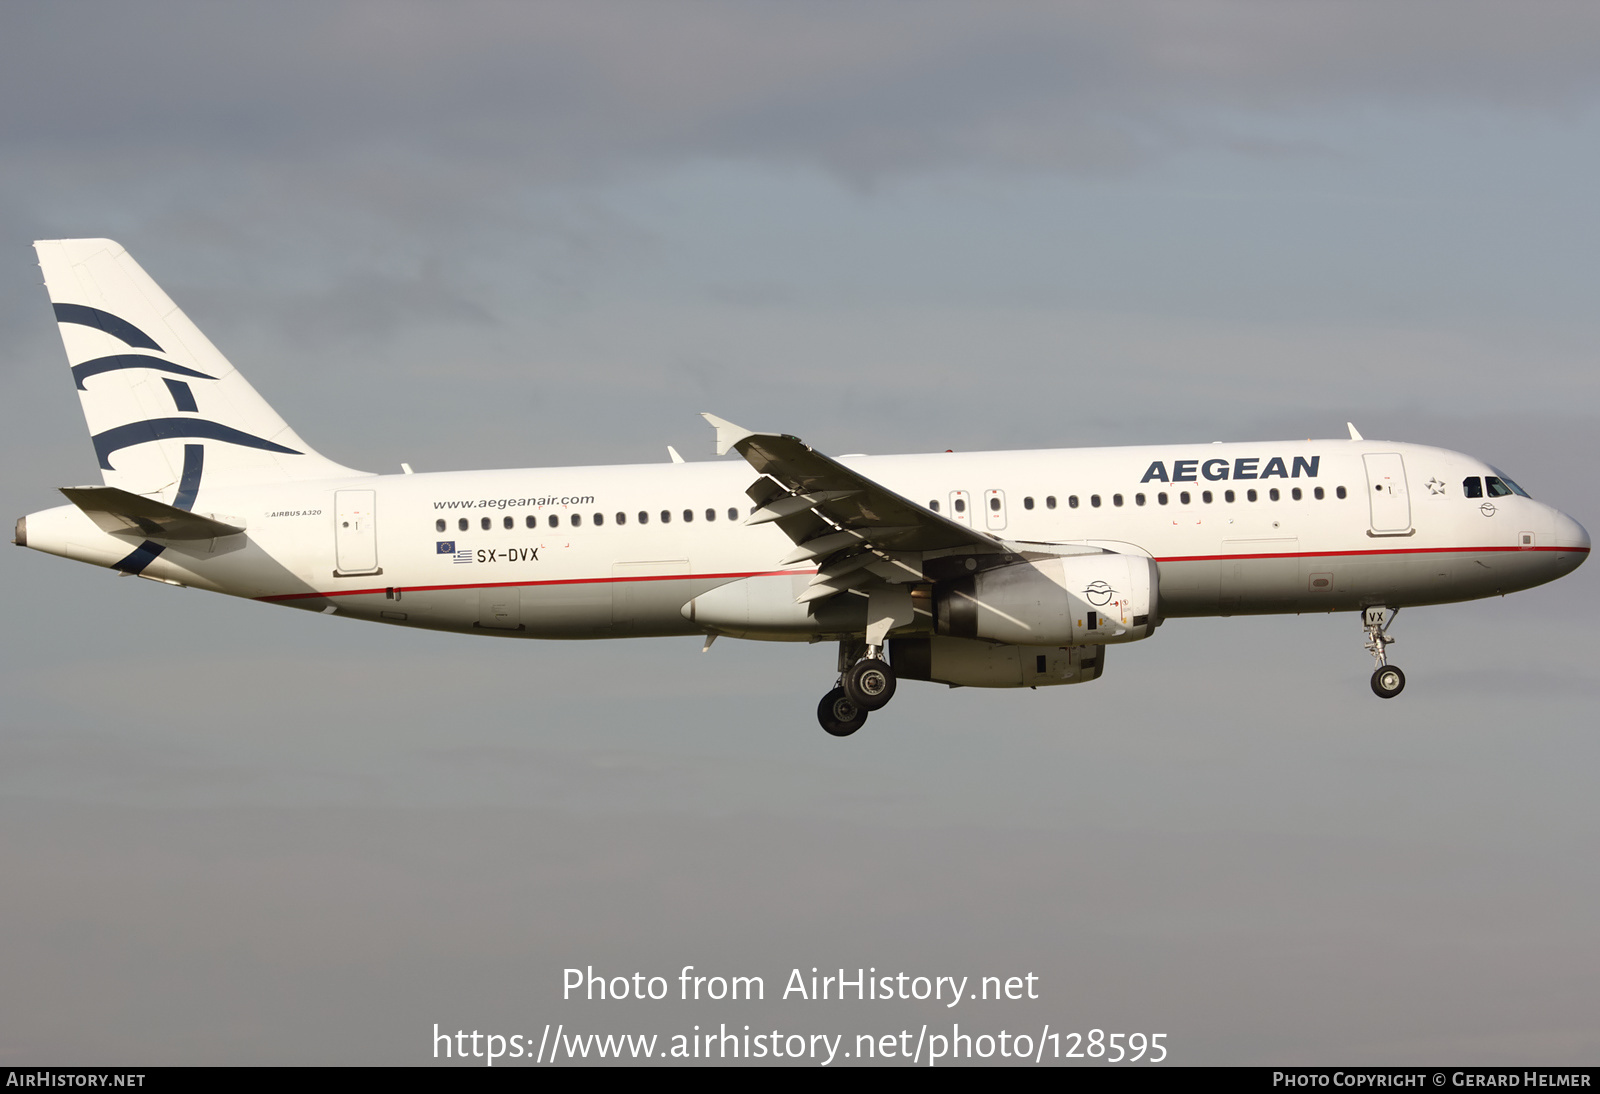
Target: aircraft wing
(855, 528)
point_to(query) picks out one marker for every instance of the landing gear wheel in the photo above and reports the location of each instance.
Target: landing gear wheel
(1388, 682)
(839, 714)
(870, 683)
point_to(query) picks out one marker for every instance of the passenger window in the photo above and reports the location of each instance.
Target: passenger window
(462, 524)
(438, 525)
(1094, 500)
(711, 514)
(1116, 499)
(1183, 498)
(1339, 492)
(666, 516)
(1027, 503)
(1161, 498)
(532, 521)
(1250, 495)
(994, 505)
(644, 518)
(1295, 493)
(599, 519)
(1317, 493)
(622, 518)
(577, 519)
(1050, 502)
(485, 522)
(509, 523)
(1273, 494)
(934, 506)
(733, 514)
(961, 505)
(555, 521)
(1205, 496)
(1472, 487)
(1227, 496)
(688, 516)
(1138, 499)
(1497, 489)
(1072, 501)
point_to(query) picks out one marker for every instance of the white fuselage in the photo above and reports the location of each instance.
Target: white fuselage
(600, 552)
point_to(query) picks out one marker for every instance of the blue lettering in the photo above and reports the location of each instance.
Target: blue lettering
(1214, 469)
(1156, 472)
(1243, 465)
(1310, 467)
(1183, 470)
(1275, 468)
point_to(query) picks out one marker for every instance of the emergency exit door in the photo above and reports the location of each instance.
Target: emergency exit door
(355, 532)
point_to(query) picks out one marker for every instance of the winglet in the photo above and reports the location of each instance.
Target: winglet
(673, 452)
(1355, 434)
(728, 434)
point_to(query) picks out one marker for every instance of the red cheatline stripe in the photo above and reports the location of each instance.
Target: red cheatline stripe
(509, 584)
(774, 573)
(1379, 551)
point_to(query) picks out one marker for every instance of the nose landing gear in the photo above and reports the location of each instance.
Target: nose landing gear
(866, 683)
(1387, 680)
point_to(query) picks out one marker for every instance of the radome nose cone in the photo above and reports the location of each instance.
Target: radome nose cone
(1569, 533)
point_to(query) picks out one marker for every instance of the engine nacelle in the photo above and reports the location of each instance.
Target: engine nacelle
(1073, 601)
(964, 662)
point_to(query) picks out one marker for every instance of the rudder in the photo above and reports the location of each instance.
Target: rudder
(166, 411)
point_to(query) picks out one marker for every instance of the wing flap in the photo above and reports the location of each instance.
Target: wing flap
(804, 481)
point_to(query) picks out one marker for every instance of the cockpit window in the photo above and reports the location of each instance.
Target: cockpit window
(1472, 487)
(1507, 486)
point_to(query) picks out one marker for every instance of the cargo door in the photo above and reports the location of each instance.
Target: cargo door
(1258, 574)
(500, 608)
(641, 600)
(1386, 493)
(355, 532)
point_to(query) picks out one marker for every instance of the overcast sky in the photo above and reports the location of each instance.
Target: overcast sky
(500, 235)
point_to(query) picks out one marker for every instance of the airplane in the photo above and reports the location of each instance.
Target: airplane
(985, 569)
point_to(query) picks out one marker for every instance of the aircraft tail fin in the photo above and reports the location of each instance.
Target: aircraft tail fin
(167, 413)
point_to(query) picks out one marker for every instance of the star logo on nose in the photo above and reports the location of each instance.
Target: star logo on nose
(1435, 486)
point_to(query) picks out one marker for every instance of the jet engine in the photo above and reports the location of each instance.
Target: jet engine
(1072, 601)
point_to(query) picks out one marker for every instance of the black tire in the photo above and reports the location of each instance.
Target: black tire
(1388, 682)
(839, 714)
(870, 683)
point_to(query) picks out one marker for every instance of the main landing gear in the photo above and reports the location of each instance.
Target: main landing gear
(1387, 681)
(866, 684)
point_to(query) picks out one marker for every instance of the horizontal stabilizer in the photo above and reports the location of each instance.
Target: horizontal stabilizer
(116, 510)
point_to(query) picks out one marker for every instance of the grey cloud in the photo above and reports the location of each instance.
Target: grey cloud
(863, 89)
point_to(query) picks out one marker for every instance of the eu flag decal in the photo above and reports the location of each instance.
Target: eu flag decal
(445, 547)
